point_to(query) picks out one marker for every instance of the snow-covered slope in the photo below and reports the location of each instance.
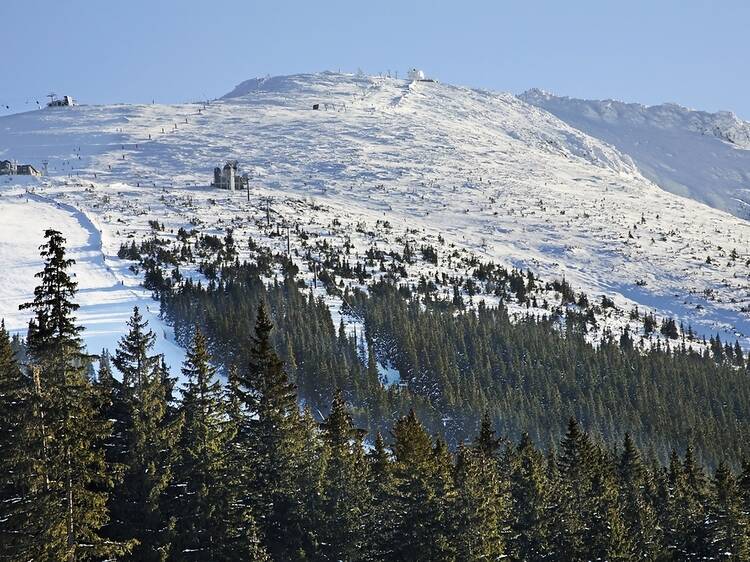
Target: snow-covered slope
(705, 156)
(385, 161)
(107, 293)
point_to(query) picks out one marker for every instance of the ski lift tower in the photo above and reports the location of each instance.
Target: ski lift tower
(51, 96)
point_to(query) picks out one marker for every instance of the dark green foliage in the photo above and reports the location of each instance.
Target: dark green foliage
(270, 435)
(63, 478)
(467, 363)
(345, 495)
(209, 524)
(15, 403)
(147, 438)
(122, 470)
(422, 497)
(533, 502)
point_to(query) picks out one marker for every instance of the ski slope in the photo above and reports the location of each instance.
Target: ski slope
(477, 173)
(106, 295)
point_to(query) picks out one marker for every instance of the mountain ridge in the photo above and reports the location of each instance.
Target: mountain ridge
(486, 172)
(696, 154)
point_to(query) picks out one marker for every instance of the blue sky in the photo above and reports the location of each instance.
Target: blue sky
(691, 52)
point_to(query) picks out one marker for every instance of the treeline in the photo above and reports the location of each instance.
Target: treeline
(532, 372)
(456, 363)
(105, 468)
(319, 358)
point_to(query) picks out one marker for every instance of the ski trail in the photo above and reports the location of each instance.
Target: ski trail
(106, 295)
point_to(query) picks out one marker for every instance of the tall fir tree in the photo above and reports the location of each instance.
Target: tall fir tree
(15, 462)
(382, 513)
(420, 532)
(270, 434)
(570, 536)
(728, 528)
(132, 357)
(609, 536)
(69, 482)
(345, 493)
(208, 526)
(532, 503)
(638, 514)
(150, 435)
(480, 513)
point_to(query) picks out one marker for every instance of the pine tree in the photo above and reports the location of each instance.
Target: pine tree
(486, 441)
(310, 477)
(132, 357)
(727, 522)
(532, 503)
(419, 533)
(206, 523)
(575, 466)
(70, 478)
(345, 493)
(269, 433)
(743, 486)
(638, 514)
(241, 527)
(150, 436)
(382, 514)
(480, 510)
(684, 514)
(440, 521)
(113, 404)
(609, 536)
(14, 459)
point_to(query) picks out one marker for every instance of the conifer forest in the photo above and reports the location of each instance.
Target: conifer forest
(503, 441)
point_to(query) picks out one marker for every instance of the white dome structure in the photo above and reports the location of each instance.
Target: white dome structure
(416, 74)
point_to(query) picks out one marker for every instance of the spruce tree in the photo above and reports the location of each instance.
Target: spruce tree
(132, 357)
(480, 510)
(202, 499)
(609, 538)
(532, 503)
(15, 462)
(382, 513)
(150, 436)
(113, 404)
(486, 441)
(242, 528)
(419, 532)
(727, 522)
(310, 478)
(638, 514)
(575, 466)
(269, 434)
(345, 493)
(70, 478)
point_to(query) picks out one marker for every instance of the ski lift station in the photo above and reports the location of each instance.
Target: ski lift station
(65, 101)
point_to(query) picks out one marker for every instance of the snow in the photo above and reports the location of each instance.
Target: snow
(389, 374)
(106, 297)
(704, 156)
(487, 173)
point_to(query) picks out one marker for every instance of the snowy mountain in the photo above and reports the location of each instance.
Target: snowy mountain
(382, 163)
(704, 156)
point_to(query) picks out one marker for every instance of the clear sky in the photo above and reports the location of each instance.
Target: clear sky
(692, 52)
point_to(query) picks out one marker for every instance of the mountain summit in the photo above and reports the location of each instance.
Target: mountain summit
(500, 177)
